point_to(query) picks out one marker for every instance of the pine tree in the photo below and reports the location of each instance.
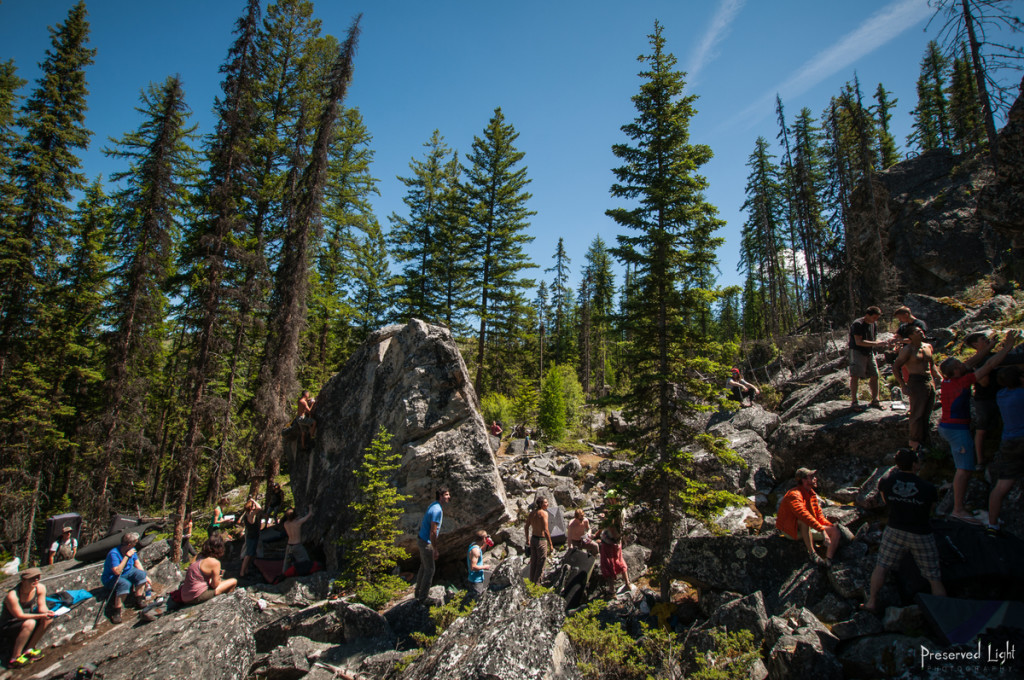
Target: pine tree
(44, 177)
(886, 142)
(278, 377)
(372, 281)
(372, 554)
(931, 117)
(601, 279)
(560, 299)
(412, 239)
(453, 255)
(668, 352)
(10, 83)
(496, 200)
(551, 407)
(808, 182)
(965, 114)
(149, 210)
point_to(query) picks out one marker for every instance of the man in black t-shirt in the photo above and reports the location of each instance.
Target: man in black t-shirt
(862, 356)
(907, 323)
(909, 499)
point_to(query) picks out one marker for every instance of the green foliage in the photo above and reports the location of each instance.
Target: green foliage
(536, 590)
(444, 616)
(382, 590)
(524, 406)
(606, 652)
(731, 657)
(371, 551)
(498, 407)
(572, 395)
(552, 407)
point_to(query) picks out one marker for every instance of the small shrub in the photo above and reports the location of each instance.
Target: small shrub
(497, 407)
(536, 590)
(382, 590)
(443, 617)
(608, 651)
(770, 397)
(730, 658)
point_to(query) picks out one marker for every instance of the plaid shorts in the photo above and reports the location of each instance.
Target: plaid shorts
(896, 543)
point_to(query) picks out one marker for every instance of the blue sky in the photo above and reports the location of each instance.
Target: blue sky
(563, 73)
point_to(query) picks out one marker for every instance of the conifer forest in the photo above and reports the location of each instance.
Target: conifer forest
(158, 325)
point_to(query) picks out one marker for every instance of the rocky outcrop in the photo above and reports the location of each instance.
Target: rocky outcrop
(1002, 202)
(411, 381)
(509, 634)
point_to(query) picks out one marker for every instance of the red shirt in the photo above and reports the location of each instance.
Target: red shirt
(955, 394)
(800, 504)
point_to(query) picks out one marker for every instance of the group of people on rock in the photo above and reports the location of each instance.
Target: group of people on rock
(993, 374)
(606, 543)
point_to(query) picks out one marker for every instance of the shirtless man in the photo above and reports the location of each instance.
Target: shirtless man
(921, 379)
(305, 418)
(538, 522)
(294, 552)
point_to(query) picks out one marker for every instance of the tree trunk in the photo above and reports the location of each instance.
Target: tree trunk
(979, 76)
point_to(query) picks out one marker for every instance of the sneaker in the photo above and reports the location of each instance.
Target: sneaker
(33, 654)
(18, 662)
(992, 532)
(115, 616)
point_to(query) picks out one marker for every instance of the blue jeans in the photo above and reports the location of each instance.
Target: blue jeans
(961, 443)
(133, 579)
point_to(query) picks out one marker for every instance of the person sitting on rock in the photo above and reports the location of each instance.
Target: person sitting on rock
(800, 518)
(294, 552)
(26, 614)
(742, 391)
(909, 499)
(122, 571)
(540, 543)
(955, 424)
(64, 548)
(476, 580)
(915, 373)
(1009, 463)
(577, 533)
(204, 578)
(862, 356)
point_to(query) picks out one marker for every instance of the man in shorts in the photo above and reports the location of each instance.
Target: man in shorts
(862, 356)
(917, 376)
(955, 424)
(909, 499)
(541, 543)
(1009, 464)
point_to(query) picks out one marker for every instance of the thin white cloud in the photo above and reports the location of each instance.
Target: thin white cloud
(879, 29)
(720, 23)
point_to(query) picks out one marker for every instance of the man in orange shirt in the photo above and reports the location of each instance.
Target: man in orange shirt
(800, 517)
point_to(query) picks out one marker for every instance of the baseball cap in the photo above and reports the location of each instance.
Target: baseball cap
(66, 529)
(30, 574)
(804, 473)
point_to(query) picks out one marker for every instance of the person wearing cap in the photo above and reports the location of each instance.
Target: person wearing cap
(64, 548)
(430, 527)
(540, 544)
(909, 499)
(26, 613)
(742, 391)
(476, 580)
(800, 517)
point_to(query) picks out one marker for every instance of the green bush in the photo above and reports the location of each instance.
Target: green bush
(376, 595)
(730, 658)
(496, 406)
(572, 393)
(444, 616)
(552, 414)
(608, 651)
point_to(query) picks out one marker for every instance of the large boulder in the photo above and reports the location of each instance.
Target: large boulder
(509, 634)
(1001, 203)
(411, 381)
(756, 476)
(211, 640)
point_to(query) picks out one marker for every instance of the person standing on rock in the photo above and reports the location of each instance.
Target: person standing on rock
(305, 420)
(251, 524)
(916, 375)
(430, 527)
(64, 548)
(862, 356)
(294, 552)
(477, 578)
(1009, 464)
(955, 424)
(540, 543)
(909, 499)
(800, 518)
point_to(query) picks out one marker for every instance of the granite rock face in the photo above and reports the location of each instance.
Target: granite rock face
(412, 381)
(1002, 201)
(507, 635)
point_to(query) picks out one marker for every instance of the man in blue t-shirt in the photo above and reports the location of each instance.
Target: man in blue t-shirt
(122, 571)
(1009, 464)
(430, 527)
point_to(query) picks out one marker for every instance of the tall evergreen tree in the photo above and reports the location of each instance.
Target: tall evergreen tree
(669, 356)
(601, 277)
(965, 115)
(560, 299)
(44, 177)
(808, 185)
(931, 116)
(277, 382)
(496, 198)
(10, 83)
(453, 255)
(149, 210)
(886, 143)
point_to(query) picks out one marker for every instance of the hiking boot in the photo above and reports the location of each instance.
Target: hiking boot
(115, 616)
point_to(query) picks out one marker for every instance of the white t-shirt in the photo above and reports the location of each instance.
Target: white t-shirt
(56, 545)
